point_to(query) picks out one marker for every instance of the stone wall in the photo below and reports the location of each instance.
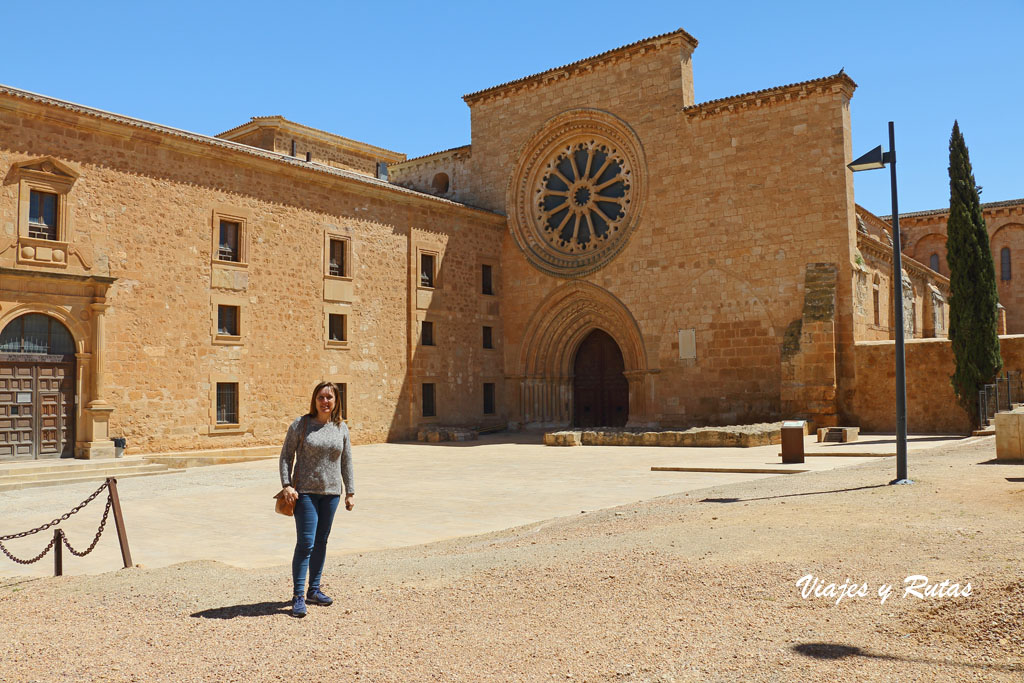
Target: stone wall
(931, 403)
(924, 235)
(741, 196)
(146, 209)
(444, 174)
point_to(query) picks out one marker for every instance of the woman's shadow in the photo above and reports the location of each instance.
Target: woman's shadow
(258, 609)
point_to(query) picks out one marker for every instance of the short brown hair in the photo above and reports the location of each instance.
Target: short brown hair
(336, 413)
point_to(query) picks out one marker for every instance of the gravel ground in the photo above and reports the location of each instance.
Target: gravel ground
(692, 587)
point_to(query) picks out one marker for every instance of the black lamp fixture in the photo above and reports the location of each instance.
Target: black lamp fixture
(876, 158)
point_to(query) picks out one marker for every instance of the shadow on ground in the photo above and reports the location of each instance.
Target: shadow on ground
(839, 651)
(790, 495)
(257, 609)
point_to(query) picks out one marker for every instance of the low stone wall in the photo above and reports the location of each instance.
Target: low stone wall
(931, 404)
(762, 434)
(438, 434)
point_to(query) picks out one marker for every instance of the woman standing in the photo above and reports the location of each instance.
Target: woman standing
(315, 460)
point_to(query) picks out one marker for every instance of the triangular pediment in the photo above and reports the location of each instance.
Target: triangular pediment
(48, 165)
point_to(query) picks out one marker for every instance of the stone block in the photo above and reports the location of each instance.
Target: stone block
(1010, 435)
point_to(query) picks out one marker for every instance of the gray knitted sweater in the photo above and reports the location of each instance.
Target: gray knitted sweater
(323, 462)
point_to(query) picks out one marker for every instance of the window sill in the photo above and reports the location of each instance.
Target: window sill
(338, 278)
(227, 340)
(230, 264)
(339, 345)
(227, 429)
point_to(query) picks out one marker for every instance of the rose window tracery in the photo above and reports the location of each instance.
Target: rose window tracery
(583, 196)
(577, 192)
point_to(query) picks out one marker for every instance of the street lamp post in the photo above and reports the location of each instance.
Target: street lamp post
(872, 160)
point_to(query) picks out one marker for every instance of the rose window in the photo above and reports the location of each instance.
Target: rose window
(577, 192)
(583, 196)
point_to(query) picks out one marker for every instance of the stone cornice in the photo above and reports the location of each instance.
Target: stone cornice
(284, 125)
(836, 83)
(1008, 207)
(679, 37)
(455, 152)
(867, 243)
(86, 118)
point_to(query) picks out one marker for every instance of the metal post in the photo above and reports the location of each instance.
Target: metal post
(901, 360)
(58, 553)
(122, 535)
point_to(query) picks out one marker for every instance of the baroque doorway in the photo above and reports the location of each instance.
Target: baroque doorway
(37, 389)
(600, 389)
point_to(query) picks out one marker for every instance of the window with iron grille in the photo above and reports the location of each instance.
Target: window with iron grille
(488, 337)
(337, 327)
(337, 258)
(429, 409)
(487, 279)
(227, 320)
(228, 245)
(42, 215)
(427, 333)
(489, 398)
(227, 403)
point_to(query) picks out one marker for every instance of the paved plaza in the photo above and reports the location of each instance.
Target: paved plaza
(406, 494)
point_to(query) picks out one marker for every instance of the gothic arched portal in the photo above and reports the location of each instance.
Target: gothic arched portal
(600, 389)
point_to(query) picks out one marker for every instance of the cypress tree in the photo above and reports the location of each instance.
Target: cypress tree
(973, 297)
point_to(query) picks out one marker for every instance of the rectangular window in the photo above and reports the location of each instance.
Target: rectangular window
(487, 279)
(337, 327)
(228, 244)
(1004, 264)
(343, 392)
(227, 320)
(427, 333)
(489, 398)
(337, 258)
(488, 337)
(429, 409)
(227, 403)
(426, 270)
(42, 215)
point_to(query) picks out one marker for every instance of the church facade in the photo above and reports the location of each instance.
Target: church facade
(606, 251)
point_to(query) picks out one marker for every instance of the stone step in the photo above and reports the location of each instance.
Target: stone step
(6, 484)
(65, 465)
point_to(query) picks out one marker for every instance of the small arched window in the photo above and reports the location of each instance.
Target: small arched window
(933, 262)
(36, 333)
(440, 183)
(1004, 264)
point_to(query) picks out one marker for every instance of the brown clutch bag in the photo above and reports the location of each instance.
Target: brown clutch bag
(283, 506)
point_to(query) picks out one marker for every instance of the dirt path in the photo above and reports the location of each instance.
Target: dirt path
(698, 586)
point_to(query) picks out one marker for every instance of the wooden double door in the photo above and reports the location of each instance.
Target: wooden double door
(600, 390)
(37, 406)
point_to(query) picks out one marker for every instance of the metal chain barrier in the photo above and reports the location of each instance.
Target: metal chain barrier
(60, 519)
(96, 539)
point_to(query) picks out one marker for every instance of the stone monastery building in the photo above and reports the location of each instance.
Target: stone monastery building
(605, 251)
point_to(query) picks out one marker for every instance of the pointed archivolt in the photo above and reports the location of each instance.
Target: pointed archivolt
(577, 192)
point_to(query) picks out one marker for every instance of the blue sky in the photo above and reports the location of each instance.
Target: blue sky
(393, 74)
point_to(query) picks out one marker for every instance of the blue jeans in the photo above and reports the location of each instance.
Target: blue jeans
(314, 514)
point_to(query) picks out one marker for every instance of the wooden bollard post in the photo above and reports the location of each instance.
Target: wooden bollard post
(122, 535)
(58, 553)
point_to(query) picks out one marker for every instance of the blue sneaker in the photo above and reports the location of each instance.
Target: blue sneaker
(316, 597)
(298, 606)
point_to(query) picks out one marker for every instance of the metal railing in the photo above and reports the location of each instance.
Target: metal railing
(1000, 396)
(60, 540)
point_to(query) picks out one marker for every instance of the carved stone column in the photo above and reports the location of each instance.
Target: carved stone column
(97, 411)
(638, 390)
